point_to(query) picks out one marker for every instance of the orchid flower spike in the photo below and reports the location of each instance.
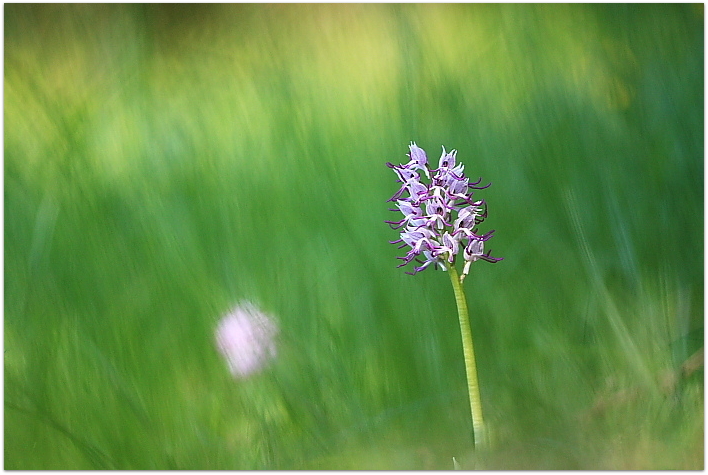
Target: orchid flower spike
(440, 217)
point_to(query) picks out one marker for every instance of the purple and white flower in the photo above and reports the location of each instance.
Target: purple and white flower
(439, 217)
(246, 339)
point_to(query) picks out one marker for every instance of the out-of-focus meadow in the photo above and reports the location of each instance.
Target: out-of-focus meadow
(163, 163)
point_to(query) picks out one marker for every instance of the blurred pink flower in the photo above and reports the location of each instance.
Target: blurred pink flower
(246, 339)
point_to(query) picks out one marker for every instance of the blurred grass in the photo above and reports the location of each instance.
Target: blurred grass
(165, 161)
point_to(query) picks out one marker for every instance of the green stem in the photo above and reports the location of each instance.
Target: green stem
(480, 435)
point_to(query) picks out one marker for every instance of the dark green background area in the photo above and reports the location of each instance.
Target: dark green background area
(164, 162)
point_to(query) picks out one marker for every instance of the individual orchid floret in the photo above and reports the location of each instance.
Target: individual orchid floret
(449, 248)
(419, 160)
(412, 214)
(418, 156)
(437, 211)
(447, 160)
(469, 217)
(439, 215)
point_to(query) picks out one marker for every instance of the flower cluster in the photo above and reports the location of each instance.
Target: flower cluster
(246, 339)
(439, 218)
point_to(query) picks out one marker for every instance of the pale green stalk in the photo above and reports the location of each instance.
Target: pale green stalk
(480, 433)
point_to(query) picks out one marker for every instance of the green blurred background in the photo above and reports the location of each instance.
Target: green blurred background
(164, 162)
